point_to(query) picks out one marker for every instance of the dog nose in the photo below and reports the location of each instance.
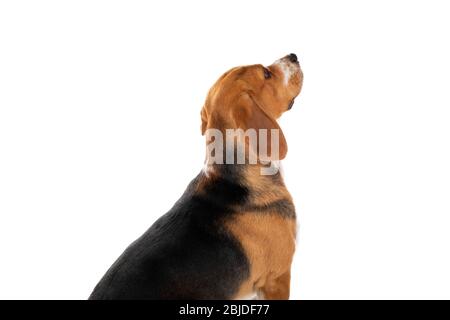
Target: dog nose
(293, 57)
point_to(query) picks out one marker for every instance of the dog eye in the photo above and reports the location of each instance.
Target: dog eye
(267, 73)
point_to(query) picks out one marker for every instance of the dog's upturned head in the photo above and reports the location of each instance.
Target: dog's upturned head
(253, 97)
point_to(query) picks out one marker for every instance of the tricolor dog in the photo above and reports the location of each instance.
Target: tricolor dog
(232, 233)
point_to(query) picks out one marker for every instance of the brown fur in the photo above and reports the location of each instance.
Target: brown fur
(267, 236)
(243, 98)
(269, 242)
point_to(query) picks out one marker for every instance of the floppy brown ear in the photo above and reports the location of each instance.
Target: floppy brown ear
(248, 114)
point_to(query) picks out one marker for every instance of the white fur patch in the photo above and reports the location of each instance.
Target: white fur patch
(287, 68)
(251, 296)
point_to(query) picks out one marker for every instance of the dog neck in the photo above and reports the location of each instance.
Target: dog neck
(238, 152)
(260, 179)
(241, 188)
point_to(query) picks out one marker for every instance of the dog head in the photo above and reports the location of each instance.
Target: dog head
(253, 97)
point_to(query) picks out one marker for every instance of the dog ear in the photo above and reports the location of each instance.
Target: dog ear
(248, 114)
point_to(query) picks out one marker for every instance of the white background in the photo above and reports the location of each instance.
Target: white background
(100, 134)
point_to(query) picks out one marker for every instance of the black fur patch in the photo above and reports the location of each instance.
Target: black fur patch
(187, 253)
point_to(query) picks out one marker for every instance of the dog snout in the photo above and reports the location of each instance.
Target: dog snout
(292, 58)
(290, 68)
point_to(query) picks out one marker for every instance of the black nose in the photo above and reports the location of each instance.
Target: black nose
(293, 57)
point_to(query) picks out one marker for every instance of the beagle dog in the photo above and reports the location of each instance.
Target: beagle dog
(232, 233)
